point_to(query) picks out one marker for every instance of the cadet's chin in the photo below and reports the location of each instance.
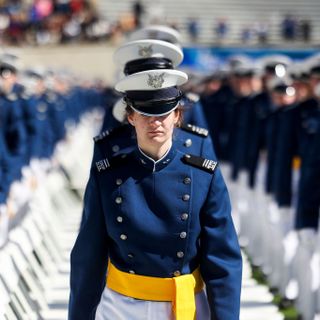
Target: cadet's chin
(156, 135)
(157, 138)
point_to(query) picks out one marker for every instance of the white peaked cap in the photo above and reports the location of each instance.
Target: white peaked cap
(152, 80)
(148, 48)
(158, 32)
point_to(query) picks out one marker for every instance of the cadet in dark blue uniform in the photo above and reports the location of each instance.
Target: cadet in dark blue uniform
(240, 130)
(285, 146)
(216, 100)
(39, 125)
(162, 219)
(309, 189)
(11, 118)
(272, 66)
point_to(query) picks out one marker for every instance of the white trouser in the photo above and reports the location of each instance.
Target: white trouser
(115, 306)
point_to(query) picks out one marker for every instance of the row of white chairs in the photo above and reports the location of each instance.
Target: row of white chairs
(35, 260)
(34, 272)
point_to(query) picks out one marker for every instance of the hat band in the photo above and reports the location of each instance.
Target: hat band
(281, 88)
(146, 64)
(152, 107)
(315, 70)
(151, 103)
(158, 111)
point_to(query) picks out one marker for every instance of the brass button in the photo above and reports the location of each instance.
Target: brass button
(186, 197)
(118, 182)
(118, 200)
(131, 271)
(119, 219)
(187, 180)
(123, 237)
(183, 235)
(188, 143)
(177, 273)
(130, 255)
(180, 254)
(115, 148)
(184, 216)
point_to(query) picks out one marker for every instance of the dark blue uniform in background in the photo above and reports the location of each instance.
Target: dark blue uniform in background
(39, 127)
(218, 110)
(285, 148)
(307, 215)
(13, 129)
(240, 135)
(193, 111)
(261, 108)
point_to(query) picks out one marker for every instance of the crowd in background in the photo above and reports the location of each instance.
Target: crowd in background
(41, 22)
(291, 28)
(44, 22)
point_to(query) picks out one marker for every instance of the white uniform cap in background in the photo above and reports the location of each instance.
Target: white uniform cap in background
(10, 60)
(148, 48)
(119, 110)
(313, 64)
(298, 70)
(158, 32)
(152, 80)
(283, 85)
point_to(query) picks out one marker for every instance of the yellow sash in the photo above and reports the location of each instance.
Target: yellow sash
(179, 290)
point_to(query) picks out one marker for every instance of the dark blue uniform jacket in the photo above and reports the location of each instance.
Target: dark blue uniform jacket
(135, 212)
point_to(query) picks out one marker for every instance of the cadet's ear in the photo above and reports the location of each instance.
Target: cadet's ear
(130, 119)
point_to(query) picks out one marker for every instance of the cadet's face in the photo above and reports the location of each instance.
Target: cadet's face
(303, 90)
(281, 100)
(156, 129)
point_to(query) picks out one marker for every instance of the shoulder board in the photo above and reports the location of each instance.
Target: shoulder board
(193, 97)
(199, 162)
(51, 97)
(113, 162)
(111, 132)
(194, 129)
(101, 136)
(25, 95)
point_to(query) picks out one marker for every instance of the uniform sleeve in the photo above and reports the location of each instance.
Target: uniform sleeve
(89, 257)
(221, 262)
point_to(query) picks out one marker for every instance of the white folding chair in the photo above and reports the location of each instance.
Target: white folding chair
(19, 305)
